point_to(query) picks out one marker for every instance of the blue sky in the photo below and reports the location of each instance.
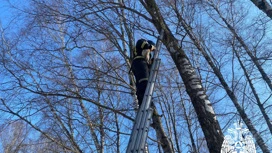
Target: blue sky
(6, 15)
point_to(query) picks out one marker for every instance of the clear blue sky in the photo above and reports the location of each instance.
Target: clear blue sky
(6, 13)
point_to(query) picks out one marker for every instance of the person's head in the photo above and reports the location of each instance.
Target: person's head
(144, 44)
(151, 43)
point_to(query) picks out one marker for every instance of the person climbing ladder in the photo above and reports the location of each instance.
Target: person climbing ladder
(141, 66)
(145, 70)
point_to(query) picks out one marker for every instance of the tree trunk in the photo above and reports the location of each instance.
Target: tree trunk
(157, 124)
(241, 41)
(266, 117)
(230, 93)
(194, 89)
(242, 113)
(161, 136)
(264, 6)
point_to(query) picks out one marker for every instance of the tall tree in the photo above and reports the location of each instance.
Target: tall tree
(259, 103)
(202, 105)
(65, 73)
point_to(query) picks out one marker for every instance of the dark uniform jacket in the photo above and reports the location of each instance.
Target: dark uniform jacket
(140, 67)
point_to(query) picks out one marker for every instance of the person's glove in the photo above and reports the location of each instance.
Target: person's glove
(152, 48)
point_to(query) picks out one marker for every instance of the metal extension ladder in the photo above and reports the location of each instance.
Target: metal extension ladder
(142, 122)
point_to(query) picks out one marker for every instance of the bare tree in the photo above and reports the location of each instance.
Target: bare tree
(14, 137)
(66, 74)
(204, 110)
(259, 103)
(246, 119)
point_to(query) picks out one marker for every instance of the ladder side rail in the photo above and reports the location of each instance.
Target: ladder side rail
(143, 113)
(151, 82)
(153, 73)
(144, 108)
(146, 118)
(140, 145)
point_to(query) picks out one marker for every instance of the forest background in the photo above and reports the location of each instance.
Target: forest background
(66, 87)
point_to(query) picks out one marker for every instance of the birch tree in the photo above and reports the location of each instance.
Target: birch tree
(65, 68)
(203, 108)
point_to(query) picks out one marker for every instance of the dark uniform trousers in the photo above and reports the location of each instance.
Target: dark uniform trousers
(140, 68)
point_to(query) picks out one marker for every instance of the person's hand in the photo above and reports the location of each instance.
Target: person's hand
(152, 47)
